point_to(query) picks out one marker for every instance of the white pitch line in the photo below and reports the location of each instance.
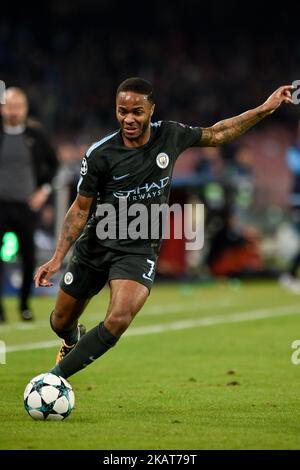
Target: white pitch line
(32, 346)
(149, 310)
(250, 315)
(217, 320)
(175, 308)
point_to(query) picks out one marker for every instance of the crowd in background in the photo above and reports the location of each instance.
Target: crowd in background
(71, 63)
(70, 60)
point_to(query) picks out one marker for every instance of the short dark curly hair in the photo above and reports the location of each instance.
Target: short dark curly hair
(137, 85)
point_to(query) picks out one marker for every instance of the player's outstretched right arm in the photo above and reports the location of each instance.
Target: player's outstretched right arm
(73, 226)
(225, 131)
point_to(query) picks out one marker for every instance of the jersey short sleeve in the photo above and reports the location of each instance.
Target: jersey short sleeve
(92, 172)
(185, 136)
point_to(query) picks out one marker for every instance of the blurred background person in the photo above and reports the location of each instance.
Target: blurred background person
(27, 166)
(289, 279)
(232, 243)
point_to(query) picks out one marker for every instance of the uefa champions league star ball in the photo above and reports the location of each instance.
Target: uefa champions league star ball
(49, 397)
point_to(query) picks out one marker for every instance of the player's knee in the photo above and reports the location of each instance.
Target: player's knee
(118, 321)
(58, 322)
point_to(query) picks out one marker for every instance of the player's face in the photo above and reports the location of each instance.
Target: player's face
(134, 113)
(14, 111)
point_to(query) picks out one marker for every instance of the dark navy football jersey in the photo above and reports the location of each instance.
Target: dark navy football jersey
(114, 173)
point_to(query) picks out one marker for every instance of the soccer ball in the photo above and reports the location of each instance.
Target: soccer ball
(48, 396)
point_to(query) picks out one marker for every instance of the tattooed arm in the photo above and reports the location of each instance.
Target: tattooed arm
(73, 226)
(227, 130)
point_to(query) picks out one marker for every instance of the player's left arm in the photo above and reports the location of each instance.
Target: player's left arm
(228, 129)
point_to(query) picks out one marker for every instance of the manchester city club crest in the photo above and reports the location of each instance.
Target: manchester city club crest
(84, 167)
(68, 278)
(162, 160)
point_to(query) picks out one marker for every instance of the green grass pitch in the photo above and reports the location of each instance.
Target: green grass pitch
(201, 367)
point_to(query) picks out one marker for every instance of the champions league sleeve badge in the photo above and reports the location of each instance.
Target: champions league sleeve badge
(84, 167)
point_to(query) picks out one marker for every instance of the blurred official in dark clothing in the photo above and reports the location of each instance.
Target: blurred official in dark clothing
(290, 278)
(27, 166)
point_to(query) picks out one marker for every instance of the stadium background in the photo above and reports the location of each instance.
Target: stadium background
(206, 64)
(205, 365)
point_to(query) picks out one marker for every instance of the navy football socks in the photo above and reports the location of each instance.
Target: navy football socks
(91, 346)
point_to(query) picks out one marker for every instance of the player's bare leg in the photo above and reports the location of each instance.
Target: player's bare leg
(66, 312)
(64, 321)
(127, 298)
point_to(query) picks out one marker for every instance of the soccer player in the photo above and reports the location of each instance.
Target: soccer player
(133, 164)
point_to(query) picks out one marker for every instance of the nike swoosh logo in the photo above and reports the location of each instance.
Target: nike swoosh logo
(117, 178)
(92, 359)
